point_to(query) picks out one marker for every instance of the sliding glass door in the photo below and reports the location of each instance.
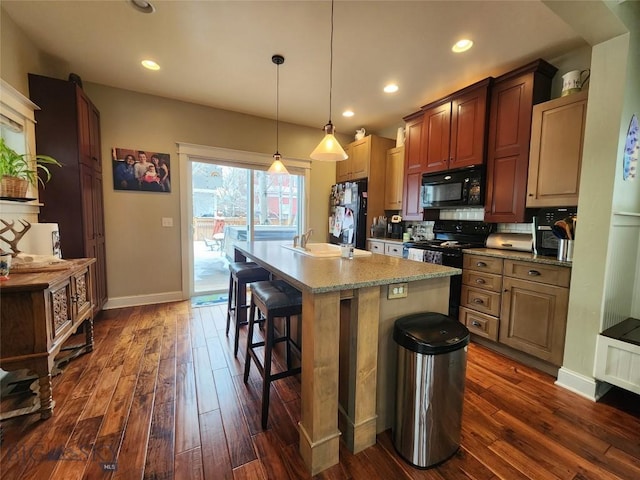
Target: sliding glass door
(232, 204)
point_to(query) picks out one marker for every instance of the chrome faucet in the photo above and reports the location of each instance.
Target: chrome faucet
(304, 238)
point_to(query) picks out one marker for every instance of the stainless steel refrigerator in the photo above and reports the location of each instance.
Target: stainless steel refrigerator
(348, 213)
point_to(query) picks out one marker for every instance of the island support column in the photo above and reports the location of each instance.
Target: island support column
(319, 434)
(358, 416)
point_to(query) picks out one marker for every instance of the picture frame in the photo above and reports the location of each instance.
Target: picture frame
(141, 170)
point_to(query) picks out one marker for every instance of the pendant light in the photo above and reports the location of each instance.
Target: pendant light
(277, 167)
(329, 149)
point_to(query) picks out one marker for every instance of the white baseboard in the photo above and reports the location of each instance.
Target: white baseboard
(584, 386)
(137, 300)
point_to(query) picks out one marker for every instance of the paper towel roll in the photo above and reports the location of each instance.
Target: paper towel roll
(41, 239)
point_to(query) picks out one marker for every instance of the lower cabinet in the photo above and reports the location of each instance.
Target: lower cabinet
(385, 247)
(520, 304)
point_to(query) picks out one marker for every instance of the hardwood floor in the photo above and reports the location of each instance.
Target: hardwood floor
(162, 397)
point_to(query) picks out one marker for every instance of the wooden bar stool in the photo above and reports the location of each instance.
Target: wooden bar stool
(275, 299)
(240, 275)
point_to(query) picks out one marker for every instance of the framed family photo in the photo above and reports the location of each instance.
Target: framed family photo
(141, 170)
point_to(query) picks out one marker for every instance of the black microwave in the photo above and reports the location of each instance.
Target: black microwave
(453, 188)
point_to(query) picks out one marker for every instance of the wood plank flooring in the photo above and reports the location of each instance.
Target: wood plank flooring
(162, 397)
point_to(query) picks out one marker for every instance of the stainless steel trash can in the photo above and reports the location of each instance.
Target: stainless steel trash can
(432, 361)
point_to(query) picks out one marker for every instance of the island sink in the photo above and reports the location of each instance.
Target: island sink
(323, 250)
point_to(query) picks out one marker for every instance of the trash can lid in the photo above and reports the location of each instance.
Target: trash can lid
(430, 333)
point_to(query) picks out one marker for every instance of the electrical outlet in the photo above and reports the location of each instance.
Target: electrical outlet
(397, 290)
(167, 222)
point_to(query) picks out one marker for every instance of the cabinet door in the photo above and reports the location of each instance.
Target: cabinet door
(376, 246)
(436, 136)
(557, 134)
(394, 180)
(343, 168)
(413, 167)
(60, 314)
(94, 138)
(468, 128)
(508, 158)
(84, 108)
(534, 318)
(414, 159)
(360, 155)
(81, 296)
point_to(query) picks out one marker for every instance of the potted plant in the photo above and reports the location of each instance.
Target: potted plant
(17, 171)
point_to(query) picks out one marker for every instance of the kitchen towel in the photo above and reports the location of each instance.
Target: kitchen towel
(433, 257)
(416, 254)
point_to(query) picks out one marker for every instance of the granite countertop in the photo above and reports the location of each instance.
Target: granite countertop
(320, 275)
(515, 255)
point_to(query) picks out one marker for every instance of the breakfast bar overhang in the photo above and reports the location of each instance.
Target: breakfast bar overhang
(355, 289)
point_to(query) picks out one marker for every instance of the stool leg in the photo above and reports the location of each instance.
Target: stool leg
(229, 303)
(287, 334)
(241, 298)
(247, 358)
(266, 382)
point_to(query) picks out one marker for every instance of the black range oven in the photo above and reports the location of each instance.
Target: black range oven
(450, 238)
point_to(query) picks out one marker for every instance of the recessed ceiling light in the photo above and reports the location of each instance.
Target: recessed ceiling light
(462, 45)
(150, 64)
(142, 6)
(347, 113)
(391, 88)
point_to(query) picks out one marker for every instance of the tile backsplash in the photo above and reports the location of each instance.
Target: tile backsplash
(424, 230)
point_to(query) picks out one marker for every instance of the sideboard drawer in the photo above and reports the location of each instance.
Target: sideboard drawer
(480, 324)
(482, 300)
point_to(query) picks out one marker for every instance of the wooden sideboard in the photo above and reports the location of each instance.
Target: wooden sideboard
(39, 312)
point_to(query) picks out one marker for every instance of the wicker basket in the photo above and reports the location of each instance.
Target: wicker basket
(13, 187)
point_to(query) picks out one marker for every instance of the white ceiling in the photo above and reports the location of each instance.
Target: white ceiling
(218, 53)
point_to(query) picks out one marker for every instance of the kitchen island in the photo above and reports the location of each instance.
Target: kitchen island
(348, 355)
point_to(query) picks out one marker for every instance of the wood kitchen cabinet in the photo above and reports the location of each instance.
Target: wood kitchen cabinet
(455, 129)
(68, 129)
(535, 302)
(520, 304)
(555, 159)
(513, 96)
(395, 179)
(40, 311)
(414, 165)
(364, 154)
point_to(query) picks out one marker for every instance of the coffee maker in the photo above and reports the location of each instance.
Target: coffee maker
(396, 227)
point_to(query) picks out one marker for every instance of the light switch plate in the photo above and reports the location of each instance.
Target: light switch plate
(167, 222)
(397, 290)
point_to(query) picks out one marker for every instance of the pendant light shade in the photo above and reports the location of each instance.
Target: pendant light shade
(329, 149)
(277, 167)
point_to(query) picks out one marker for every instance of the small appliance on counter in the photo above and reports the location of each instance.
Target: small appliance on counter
(396, 227)
(521, 242)
(544, 240)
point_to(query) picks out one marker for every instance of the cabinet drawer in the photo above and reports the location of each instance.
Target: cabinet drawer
(483, 264)
(393, 249)
(535, 272)
(376, 247)
(481, 300)
(484, 325)
(487, 281)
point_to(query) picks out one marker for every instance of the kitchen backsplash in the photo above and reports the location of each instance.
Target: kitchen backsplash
(424, 230)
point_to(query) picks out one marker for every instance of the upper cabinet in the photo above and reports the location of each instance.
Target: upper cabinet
(395, 179)
(414, 165)
(513, 96)
(555, 157)
(455, 129)
(362, 153)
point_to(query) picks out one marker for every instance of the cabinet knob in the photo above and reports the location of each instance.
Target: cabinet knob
(481, 264)
(533, 273)
(478, 301)
(475, 323)
(531, 194)
(480, 281)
